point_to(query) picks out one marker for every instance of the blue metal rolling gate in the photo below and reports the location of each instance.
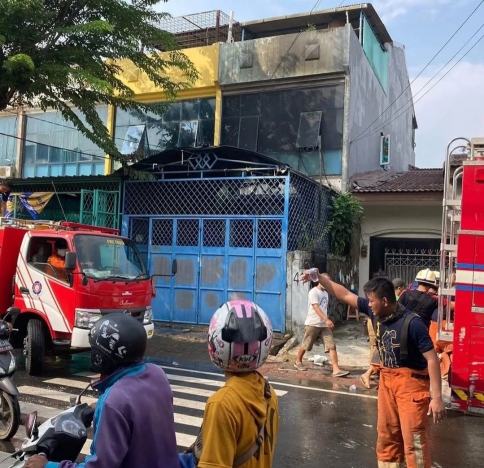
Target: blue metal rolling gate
(220, 257)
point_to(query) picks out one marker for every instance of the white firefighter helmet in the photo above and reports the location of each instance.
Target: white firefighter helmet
(427, 277)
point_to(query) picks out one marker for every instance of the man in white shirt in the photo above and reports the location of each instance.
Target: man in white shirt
(318, 325)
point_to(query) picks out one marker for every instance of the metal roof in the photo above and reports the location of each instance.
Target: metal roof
(207, 158)
(300, 21)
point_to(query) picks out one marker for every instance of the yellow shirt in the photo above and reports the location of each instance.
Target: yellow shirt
(231, 422)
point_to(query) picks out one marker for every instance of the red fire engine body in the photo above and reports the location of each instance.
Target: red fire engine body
(103, 273)
(463, 254)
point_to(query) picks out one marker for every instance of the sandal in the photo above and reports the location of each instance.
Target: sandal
(341, 374)
(365, 382)
(300, 367)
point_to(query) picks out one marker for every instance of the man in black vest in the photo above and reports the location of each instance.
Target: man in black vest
(420, 300)
(410, 366)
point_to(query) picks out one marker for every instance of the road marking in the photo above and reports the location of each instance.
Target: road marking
(178, 378)
(359, 395)
(67, 383)
(52, 394)
(193, 404)
(192, 391)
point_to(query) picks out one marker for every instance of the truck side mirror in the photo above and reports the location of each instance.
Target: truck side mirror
(174, 267)
(71, 261)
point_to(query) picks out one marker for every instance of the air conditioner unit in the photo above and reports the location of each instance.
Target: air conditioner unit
(7, 172)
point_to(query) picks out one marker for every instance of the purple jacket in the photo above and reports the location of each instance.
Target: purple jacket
(133, 422)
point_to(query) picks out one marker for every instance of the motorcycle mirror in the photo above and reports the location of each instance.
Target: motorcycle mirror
(30, 423)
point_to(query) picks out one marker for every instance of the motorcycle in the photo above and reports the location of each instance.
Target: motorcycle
(9, 405)
(59, 438)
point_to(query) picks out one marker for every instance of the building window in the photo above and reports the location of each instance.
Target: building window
(182, 124)
(8, 144)
(289, 126)
(54, 147)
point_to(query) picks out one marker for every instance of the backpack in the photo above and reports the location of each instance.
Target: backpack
(403, 337)
(419, 302)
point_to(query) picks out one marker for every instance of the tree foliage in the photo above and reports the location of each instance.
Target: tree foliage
(55, 54)
(346, 214)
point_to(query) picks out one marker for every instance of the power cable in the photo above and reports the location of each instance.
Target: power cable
(423, 69)
(433, 86)
(55, 147)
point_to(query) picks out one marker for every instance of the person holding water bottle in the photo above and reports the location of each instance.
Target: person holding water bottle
(319, 325)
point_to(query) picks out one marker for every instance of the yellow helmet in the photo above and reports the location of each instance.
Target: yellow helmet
(426, 277)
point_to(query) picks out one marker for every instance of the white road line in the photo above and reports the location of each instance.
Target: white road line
(199, 405)
(192, 391)
(184, 378)
(184, 440)
(213, 383)
(65, 397)
(67, 383)
(359, 395)
(52, 394)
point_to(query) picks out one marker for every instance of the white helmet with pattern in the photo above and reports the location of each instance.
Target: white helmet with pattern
(239, 336)
(426, 277)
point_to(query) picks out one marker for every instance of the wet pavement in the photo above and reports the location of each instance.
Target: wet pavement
(323, 424)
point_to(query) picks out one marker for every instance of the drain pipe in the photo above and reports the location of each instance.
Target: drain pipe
(346, 135)
(231, 23)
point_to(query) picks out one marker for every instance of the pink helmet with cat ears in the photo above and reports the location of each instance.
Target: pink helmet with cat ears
(239, 336)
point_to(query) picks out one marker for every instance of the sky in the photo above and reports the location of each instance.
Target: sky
(452, 108)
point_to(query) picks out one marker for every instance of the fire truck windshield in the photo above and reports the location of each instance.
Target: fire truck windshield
(109, 258)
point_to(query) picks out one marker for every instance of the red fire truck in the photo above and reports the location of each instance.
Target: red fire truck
(461, 332)
(56, 307)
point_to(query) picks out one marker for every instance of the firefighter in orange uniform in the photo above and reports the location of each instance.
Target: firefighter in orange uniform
(409, 367)
(57, 260)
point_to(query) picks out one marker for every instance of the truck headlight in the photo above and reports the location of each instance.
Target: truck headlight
(86, 318)
(148, 318)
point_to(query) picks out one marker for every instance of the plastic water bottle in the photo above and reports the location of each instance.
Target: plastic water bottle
(313, 275)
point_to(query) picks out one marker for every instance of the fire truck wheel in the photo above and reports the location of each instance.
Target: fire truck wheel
(9, 416)
(34, 347)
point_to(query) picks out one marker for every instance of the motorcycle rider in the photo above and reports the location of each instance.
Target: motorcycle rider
(241, 420)
(136, 398)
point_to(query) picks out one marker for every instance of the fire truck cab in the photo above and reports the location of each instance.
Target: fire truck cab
(60, 278)
(461, 332)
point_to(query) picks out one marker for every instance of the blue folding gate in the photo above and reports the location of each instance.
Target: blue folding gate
(218, 259)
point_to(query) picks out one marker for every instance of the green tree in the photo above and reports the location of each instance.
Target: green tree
(60, 53)
(346, 214)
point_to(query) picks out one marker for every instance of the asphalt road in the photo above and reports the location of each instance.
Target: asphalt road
(321, 425)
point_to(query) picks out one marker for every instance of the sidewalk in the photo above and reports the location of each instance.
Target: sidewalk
(189, 347)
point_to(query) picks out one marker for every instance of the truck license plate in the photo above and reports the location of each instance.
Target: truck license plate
(5, 346)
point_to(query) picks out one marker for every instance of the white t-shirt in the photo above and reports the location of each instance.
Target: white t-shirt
(316, 296)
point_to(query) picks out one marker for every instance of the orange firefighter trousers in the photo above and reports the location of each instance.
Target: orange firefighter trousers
(403, 403)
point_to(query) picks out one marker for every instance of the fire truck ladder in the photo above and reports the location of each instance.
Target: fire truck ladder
(451, 216)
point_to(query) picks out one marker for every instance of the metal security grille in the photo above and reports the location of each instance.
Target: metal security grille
(87, 207)
(209, 197)
(406, 264)
(140, 230)
(187, 232)
(162, 233)
(214, 233)
(308, 214)
(68, 186)
(269, 234)
(242, 233)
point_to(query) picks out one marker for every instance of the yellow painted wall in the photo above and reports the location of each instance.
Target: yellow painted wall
(205, 60)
